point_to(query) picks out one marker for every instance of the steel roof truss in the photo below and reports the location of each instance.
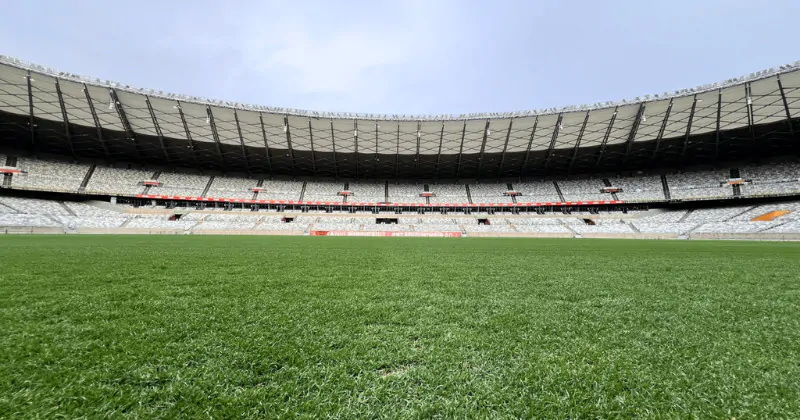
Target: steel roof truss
(578, 141)
(662, 129)
(241, 141)
(214, 134)
(505, 147)
(186, 130)
(266, 144)
(156, 126)
(65, 117)
(96, 121)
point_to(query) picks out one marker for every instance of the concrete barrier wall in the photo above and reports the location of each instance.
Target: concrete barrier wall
(15, 230)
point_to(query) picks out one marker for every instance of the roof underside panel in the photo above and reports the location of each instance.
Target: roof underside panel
(570, 129)
(520, 134)
(705, 114)
(251, 129)
(13, 90)
(197, 121)
(225, 123)
(496, 137)
(301, 137)
(596, 127)
(344, 132)
(791, 89)
(387, 137)
(45, 99)
(276, 135)
(734, 108)
(138, 115)
(473, 136)
(76, 105)
(322, 135)
(544, 132)
(679, 117)
(451, 140)
(651, 121)
(430, 135)
(408, 138)
(367, 137)
(623, 123)
(104, 107)
(767, 101)
(168, 118)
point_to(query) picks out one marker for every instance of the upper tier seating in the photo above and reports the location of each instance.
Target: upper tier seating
(180, 184)
(489, 193)
(699, 185)
(537, 192)
(49, 175)
(643, 188)
(583, 190)
(366, 192)
(115, 181)
(448, 193)
(281, 190)
(228, 187)
(323, 191)
(406, 193)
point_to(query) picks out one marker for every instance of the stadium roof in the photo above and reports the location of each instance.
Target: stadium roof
(64, 113)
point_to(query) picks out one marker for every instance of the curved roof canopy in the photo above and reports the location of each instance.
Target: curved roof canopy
(125, 123)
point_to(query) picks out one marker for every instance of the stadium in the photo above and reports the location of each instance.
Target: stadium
(497, 307)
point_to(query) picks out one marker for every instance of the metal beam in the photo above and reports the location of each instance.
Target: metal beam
(634, 129)
(266, 145)
(313, 155)
(439, 155)
(31, 122)
(607, 135)
(65, 117)
(662, 129)
(750, 117)
(355, 141)
(553, 139)
(156, 126)
(123, 119)
(461, 148)
(96, 121)
(333, 145)
(578, 141)
(483, 147)
(786, 106)
(419, 139)
(241, 141)
(397, 154)
(186, 131)
(689, 127)
(289, 141)
(505, 147)
(524, 166)
(719, 117)
(214, 134)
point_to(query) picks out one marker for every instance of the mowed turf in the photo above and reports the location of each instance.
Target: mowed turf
(272, 327)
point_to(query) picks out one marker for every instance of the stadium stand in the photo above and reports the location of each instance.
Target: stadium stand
(406, 193)
(280, 190)
(180, 184)
(448, 193)
(323, 191)
(229, 187)
(367, 192)
(114, 181)
(583, 190)
(49, 175)
(641, 188)
(537, 191)
(701, 185)
(489, 193)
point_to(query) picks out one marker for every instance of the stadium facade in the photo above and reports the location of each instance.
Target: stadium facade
(44, 111)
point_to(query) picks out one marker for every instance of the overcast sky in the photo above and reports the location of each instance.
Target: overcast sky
(416, 56)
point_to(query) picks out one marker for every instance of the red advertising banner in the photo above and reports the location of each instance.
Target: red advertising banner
(338, 204)
(393, 234)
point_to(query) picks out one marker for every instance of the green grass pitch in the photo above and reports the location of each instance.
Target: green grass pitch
(280, 327)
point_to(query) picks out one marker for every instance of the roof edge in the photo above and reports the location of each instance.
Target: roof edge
(35, 68)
